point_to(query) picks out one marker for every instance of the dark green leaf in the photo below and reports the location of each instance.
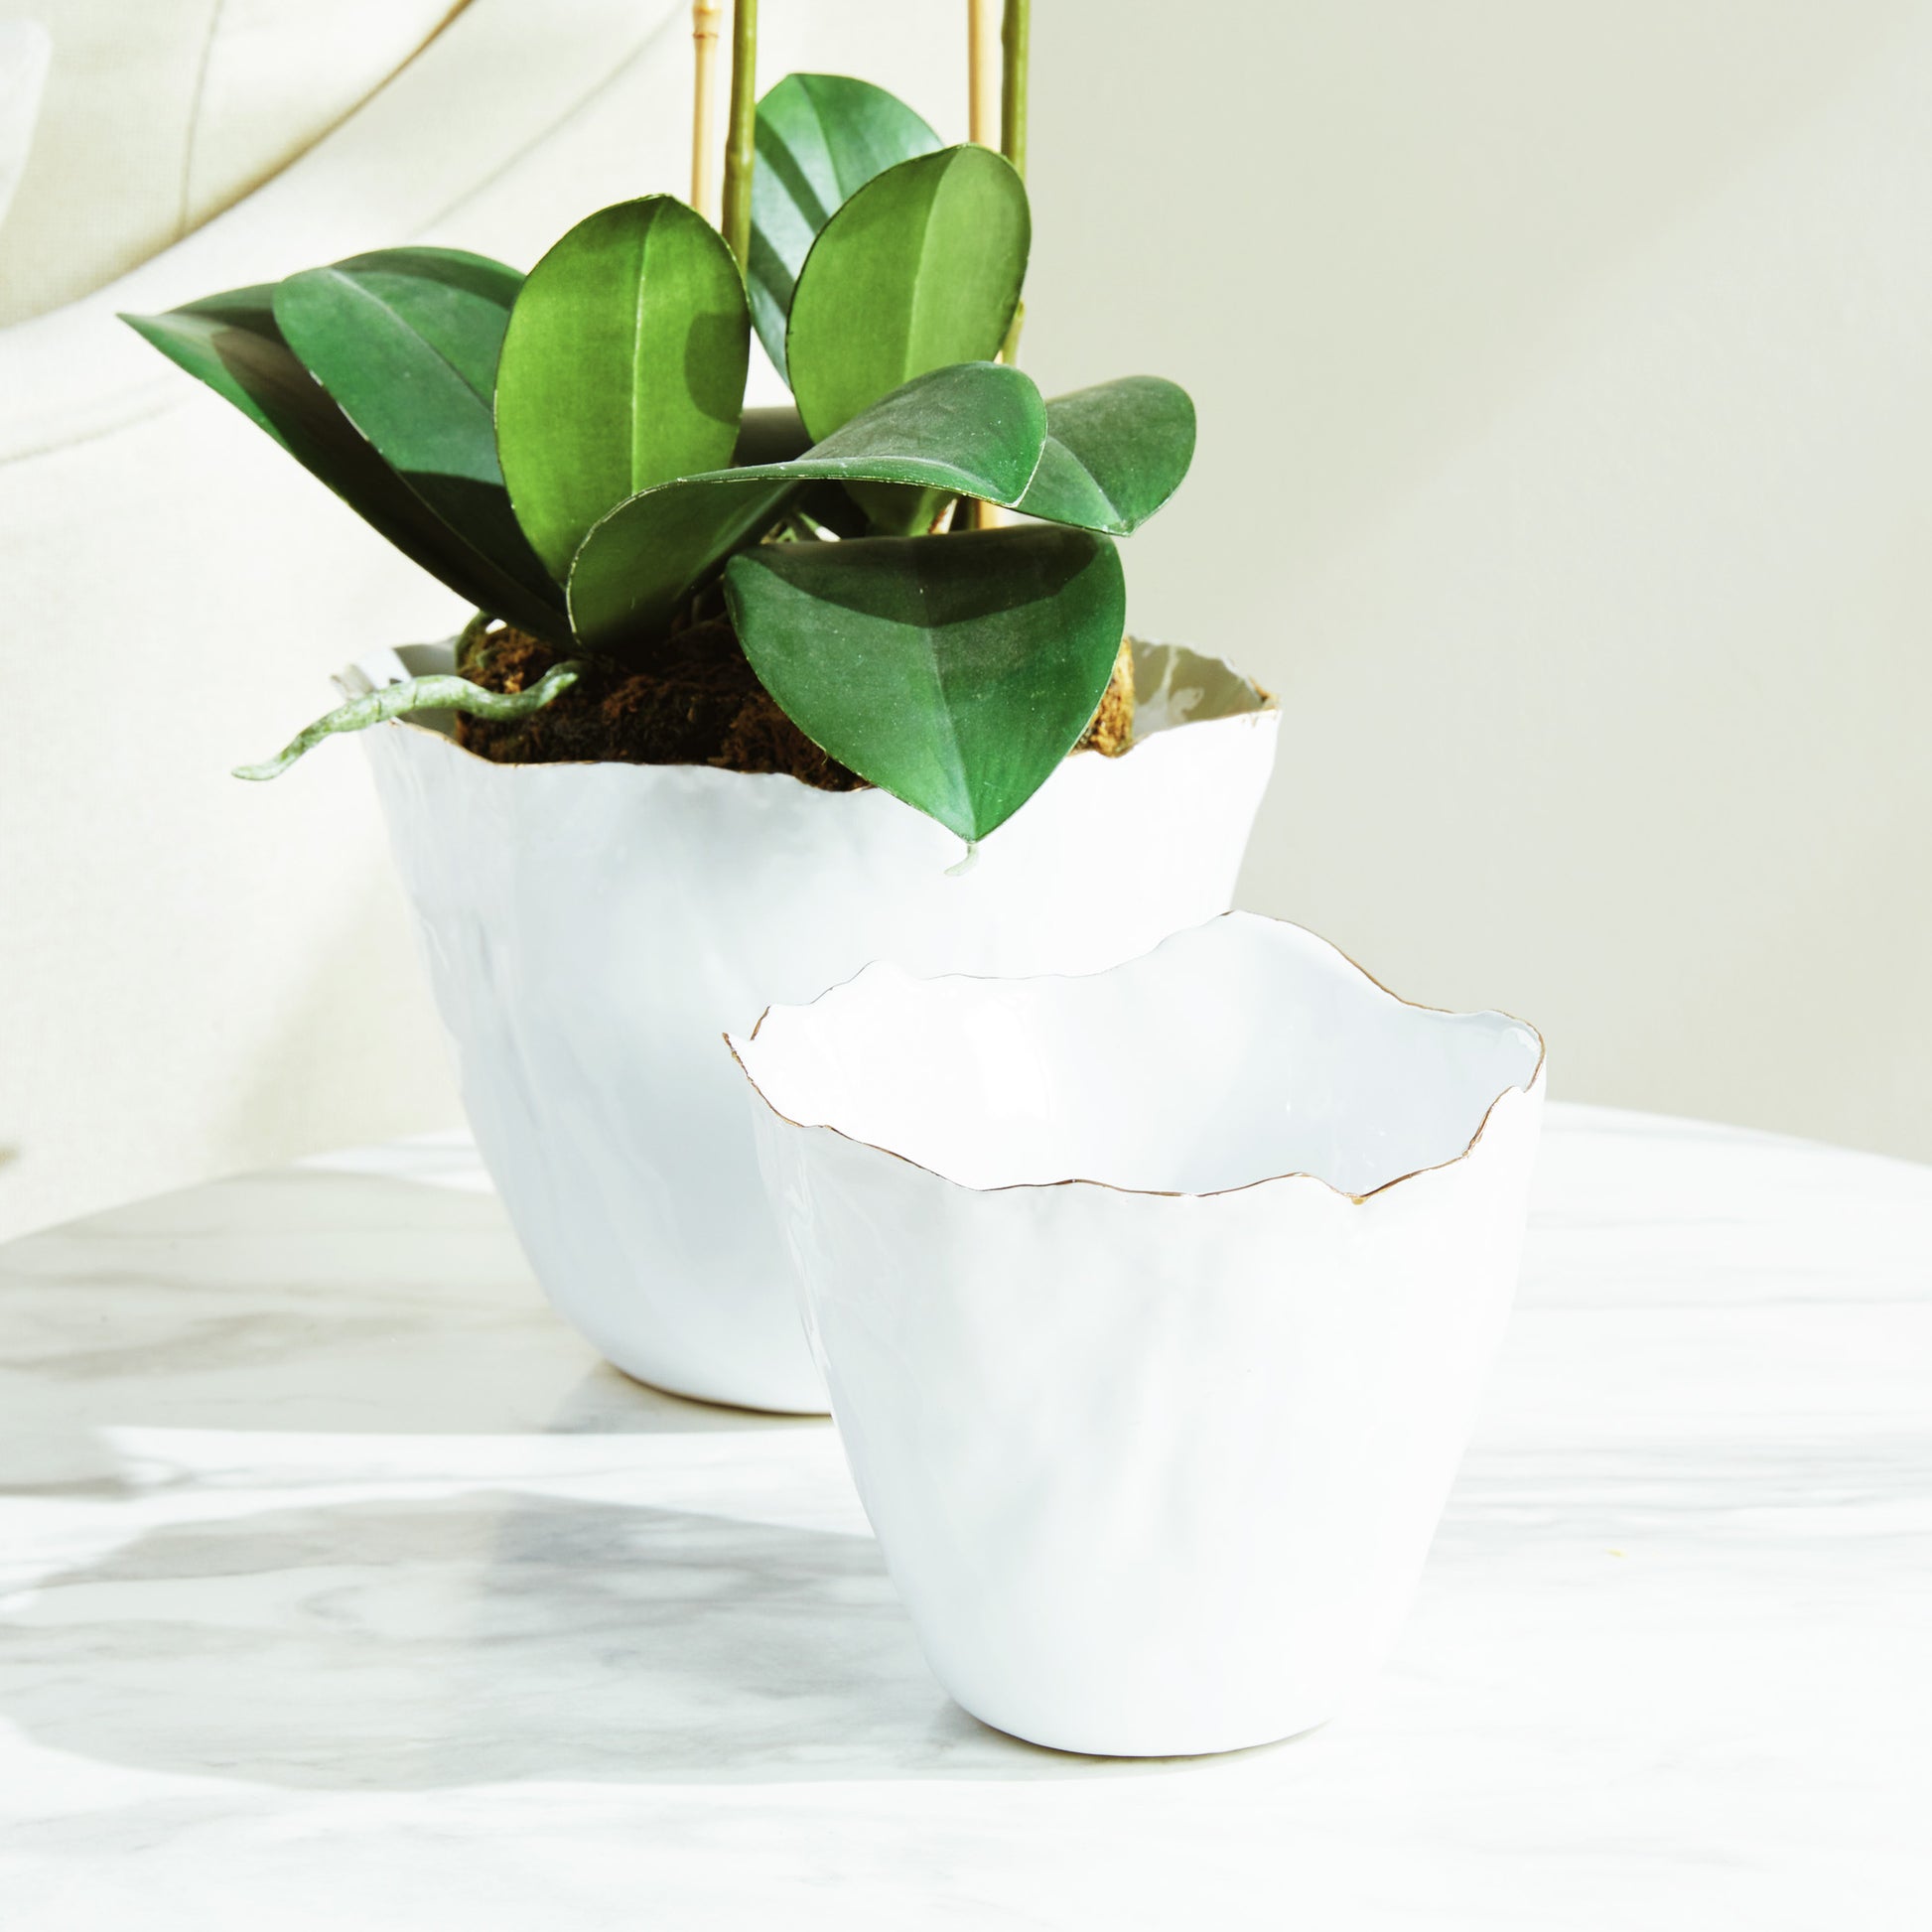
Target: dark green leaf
(820, 138)
(231, 343)
(831, 506)
(778, 436)
(770, 436)
(399, 305)
(974, 430)
(919, 269)
(624, 367)
(955, 672)
(1114, 453)
(406, 340)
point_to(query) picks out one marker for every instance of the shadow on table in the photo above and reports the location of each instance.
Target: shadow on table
(51, 1454)
(299, 1302)
(495, 1637)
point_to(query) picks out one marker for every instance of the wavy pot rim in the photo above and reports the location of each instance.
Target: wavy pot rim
(1265, 705)
(884, 968)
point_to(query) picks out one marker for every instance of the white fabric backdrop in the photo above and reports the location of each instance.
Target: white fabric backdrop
(160, 114)
(25, 49)
(197, 976)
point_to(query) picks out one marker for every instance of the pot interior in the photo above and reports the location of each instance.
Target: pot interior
(1238, 1051)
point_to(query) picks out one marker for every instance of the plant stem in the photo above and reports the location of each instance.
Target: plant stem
(981, 96)
(740, 156)
(706, 16)
(1015, 34)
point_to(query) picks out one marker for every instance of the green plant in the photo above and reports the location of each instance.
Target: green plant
(568, 450)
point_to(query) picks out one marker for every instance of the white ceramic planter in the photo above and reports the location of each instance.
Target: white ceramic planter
(591, 929)
(1155, 1308)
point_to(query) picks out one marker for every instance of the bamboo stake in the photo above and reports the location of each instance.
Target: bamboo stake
(981, 59)
(982, 126)
(739, 157)
(1015, 36)
(706, 19)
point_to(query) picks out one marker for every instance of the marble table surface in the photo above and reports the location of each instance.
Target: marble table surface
(341, 1586)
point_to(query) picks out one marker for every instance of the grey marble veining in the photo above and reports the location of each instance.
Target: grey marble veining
(340, 1585)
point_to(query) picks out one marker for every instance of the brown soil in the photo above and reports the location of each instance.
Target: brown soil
(1112, 730)
(697, 701)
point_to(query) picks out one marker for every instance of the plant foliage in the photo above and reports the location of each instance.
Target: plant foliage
(568, 451)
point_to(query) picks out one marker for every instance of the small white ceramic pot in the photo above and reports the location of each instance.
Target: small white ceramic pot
(1155, 1308)
(591, 929)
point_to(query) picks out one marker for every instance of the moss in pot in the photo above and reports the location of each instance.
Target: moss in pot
(657, 782)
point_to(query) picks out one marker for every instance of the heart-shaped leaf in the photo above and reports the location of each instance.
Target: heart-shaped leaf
(919, 269)
(954, 672)
(974, 430)
(624, 367)
(231, 343)
(820, 137)
(406, 340)
(779, 435)
(1114, 453)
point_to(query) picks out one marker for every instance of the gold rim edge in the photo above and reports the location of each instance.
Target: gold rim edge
(1526, 1088)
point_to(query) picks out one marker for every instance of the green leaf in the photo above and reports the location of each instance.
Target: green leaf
(975, 430)
(820, 137)
(401, 307)
(1114, 453)
(773, 435)
(624, 367)
(406, 340)
(231, 343)
(954, 672)
(779, 435)
(919, 269)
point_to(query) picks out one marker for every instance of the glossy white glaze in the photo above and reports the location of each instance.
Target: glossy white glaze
(340, 1584)
(591, 929)
(1153, 1351)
